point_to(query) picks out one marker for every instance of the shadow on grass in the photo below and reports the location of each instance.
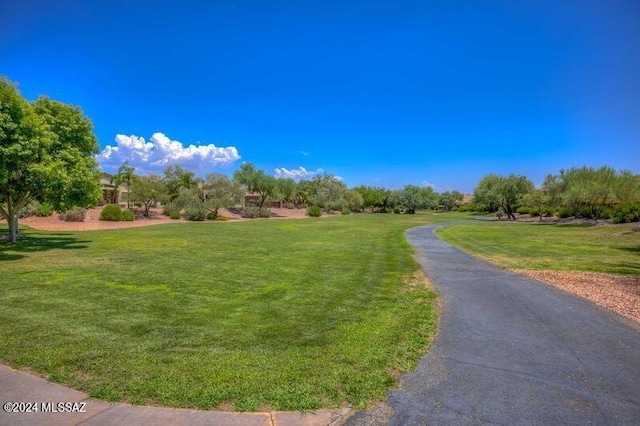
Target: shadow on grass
(631, 249)
(32, 243)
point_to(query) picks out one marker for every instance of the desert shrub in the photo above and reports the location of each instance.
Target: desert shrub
(28, 210)
(211, 216)
(175, 214)
(345, 210)
(314, 211)
(111, 212)
(626, 212)
(264, 212)
(585, 213)
(524, 210)
(195, 212)
(221, 218)
(250, 212)
(44, 210)
(397, 210)
(127, 216)
(464, 208)
(564, 212)
(170, 207)
(77, 214)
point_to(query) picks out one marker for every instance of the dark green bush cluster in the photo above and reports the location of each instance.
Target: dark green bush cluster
(175, 214)
(111, 212)
(44, 210)
(314, 211)
(626, 212)
(211, 216)
(77, 214)
(397, 210)
(195, 212)
(345, 210)
(564, 212)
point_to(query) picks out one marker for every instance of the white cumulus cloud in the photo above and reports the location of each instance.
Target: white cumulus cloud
(160, 152)
(296, 174)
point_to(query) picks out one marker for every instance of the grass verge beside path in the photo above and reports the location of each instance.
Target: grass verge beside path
(262, 315)
(603, 248)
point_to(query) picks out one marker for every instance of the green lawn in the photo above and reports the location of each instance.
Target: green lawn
(610, 248)
(269, 314)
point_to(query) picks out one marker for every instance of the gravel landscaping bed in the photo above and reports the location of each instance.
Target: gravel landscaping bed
(618, 293)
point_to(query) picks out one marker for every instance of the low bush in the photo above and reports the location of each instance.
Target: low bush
(464, 208)
(250, 212)
(175, 214)
(264, 212)
(220, 218)
(626, 212)
(44, 210)
(195, 212)
(170, 207)
(345, 210)
(127, 216)
(212, 216)
(314, 211)
(565, 212)
(111, 212)
(524, 210)
(397, 210)
(77, 214)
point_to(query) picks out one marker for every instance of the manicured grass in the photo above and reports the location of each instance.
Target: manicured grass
(269, 314)
(609, 248)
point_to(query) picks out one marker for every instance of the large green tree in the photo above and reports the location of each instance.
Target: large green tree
(221, 192)
(500, 193)
(414, 197)
(256, 181)
(148, 190)
(589, 191)
(47, 153)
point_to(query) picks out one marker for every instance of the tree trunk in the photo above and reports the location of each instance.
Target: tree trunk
(14, 233)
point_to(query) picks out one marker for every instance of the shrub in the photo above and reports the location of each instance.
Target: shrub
(314, 211)
(626, 212)
(111, 212)
(464, 208)
(44, 210)
(564, 212)
(175, 214)
(397, 210)
(195, 212)
(127, 216)
(345, 210)
(220, 218)
(211, 215)
(524, 210)
(170, 207)
(77, 214)
(264, 212)
(250, 212)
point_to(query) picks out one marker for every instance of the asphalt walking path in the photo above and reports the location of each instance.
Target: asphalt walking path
(513, 351)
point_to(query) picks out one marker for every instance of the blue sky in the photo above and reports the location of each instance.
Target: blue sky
(380, 93)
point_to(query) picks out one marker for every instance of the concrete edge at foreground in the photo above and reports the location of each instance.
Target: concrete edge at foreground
(30, 400)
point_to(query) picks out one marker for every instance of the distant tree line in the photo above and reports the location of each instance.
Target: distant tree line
(584, 192)
(47, 151)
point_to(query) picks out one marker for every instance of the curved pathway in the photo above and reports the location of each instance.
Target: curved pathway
(513, 351)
